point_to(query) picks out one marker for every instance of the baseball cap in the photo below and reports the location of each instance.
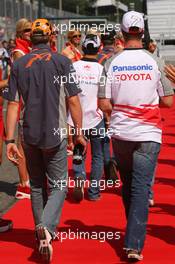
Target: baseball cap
(91, 40)
(108, 34)
(132, 19)
(41, 27)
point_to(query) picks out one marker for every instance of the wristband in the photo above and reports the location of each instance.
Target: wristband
(8, 141)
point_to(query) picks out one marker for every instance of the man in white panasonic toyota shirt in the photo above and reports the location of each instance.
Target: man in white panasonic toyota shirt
(88, 73)
(134, 86)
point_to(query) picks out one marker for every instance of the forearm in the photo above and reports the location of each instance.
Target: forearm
(76, 113)
(106, 107)
(3, 84)
(11, 119)
(166, 101)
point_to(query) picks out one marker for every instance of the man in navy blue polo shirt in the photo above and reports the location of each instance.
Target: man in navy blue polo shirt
(43, 80)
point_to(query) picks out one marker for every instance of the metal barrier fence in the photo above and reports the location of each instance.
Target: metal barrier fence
(13, 10)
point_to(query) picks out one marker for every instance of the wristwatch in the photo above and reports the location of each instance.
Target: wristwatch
(8, 141)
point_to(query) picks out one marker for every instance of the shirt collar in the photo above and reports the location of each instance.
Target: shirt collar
(41, 46)
(89, 59)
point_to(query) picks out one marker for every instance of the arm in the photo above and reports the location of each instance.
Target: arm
(170, 72)
(3, 84)
(166, 101)
(11, 119)
(17, 55)
(12, 151)
(76, 114)
(71, 91)
(165, 89)
(105, 106)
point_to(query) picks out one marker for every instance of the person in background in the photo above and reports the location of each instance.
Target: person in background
(3, 84)
(11, 46)
(108, 39)
(135, 87)
(152, 46)
(5, 44)
(53, 40)
(4, 61)
(72, 50)
(88, 73)
(23, 47)
(119, 42)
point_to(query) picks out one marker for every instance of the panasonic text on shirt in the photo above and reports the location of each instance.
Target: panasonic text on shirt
(145, 67)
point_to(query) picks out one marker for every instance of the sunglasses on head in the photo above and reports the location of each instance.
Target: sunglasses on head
(27, 30)
(77, 36)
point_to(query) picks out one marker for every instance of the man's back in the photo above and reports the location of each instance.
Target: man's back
(39, 75)
(88, 72)
(135, 80)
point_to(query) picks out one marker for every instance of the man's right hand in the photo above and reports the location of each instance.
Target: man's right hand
(81, 140)
(13, 153)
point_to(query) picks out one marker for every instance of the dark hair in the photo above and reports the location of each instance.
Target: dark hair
(38, 39)
(134, 35)
(108, 37)
(90, 50)
(106, 42)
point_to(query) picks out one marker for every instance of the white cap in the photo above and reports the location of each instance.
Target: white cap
(132, 19)
(91, 39)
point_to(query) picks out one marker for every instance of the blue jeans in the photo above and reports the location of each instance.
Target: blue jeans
(107, 156)
(137, 162)
(96, 141)
(48, 177)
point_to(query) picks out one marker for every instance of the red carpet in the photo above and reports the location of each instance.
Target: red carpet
(103, 217)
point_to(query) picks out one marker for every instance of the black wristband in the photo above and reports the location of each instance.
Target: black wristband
(9, 141)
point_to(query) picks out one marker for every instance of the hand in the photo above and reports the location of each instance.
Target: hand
(81, 140)
(170, 72)
(13, 153)
(70, 146)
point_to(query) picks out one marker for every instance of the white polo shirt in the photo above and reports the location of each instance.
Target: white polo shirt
(88, 74)
(134, 86)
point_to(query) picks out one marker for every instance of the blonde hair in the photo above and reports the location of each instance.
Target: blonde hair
(71, 33)
(21, 25)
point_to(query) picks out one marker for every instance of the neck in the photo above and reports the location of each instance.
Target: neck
(133, 44)
(90, 56)
(109, 46)
(75, 45)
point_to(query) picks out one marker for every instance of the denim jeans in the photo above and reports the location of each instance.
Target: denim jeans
(107, 156)
(48, 177)
(96, 141)
(137, 162)
(151, 192)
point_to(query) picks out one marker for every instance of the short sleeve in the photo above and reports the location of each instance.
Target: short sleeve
(71, 85)
(105, 86)
(164, 86)
(11, 93)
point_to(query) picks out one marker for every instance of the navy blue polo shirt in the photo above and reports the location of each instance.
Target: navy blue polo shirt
(43, 79)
